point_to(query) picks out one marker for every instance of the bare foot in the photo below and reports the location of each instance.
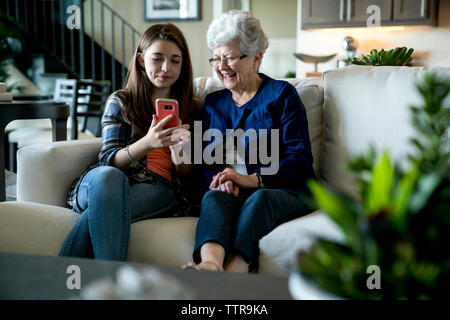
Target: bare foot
(237, 264)
(204, 265)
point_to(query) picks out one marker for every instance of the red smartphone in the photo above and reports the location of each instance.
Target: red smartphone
(166, 107)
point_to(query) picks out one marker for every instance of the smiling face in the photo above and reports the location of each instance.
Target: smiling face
(238, 76)
(162, 62)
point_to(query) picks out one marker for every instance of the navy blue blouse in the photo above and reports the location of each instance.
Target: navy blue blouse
(276, 105)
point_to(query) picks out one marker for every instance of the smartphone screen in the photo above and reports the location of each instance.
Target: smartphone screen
(166, 107)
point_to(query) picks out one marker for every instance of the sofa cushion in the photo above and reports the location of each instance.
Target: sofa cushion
(33, 228)
(310, 91)
(164, 241)
(170, 241)
(279, 248)
(362, 106)
(41, 229)
(28, 136)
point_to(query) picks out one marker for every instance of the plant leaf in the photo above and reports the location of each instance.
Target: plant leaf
(380, 188)
(407, 57)
(403, 196)
(426, 187)
(338, 208)
(365, 59)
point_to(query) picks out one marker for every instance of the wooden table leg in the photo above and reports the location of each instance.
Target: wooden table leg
(2, 165)
(59, 129)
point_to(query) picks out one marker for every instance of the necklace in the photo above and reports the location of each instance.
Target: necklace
(243, 99)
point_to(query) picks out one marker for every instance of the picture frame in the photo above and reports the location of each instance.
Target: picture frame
(169, 10)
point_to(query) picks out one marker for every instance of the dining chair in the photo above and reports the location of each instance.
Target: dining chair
(86, 98)
(91, 96)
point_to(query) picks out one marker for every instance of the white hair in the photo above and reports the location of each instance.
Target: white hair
(237, 25)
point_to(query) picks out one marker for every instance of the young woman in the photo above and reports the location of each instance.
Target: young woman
(132, 178)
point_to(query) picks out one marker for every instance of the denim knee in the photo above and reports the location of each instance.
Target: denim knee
(110, 176)
(211, 197)
(101, 183)
(219, 205)
(109, 181)
(259, 201)
(260, 195)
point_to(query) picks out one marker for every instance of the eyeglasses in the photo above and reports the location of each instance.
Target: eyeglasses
(229, 61)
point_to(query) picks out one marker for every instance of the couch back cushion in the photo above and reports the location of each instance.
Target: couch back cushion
(366, 106)
(45, 172)
(310, 91)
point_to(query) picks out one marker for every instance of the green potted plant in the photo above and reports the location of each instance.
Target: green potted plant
(401, 228)
(400, 56)
(290, 74)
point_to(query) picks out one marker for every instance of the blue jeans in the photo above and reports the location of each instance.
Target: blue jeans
(107, 207)
(238, 223)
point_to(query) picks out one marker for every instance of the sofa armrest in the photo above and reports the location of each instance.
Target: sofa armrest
(46, 171)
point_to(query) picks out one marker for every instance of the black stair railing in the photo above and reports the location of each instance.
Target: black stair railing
(81, 50)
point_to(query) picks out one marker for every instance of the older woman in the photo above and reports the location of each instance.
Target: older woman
(244, 202)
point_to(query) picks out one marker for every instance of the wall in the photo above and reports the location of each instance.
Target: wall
(431, 44)
(279, 21)
(133, 12)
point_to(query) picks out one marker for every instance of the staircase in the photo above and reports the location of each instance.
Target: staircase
(83, 39)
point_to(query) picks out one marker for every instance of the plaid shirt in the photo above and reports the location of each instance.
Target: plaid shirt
(116, 135)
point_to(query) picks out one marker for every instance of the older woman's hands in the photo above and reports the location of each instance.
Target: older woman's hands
(228, 187)
(239, 180)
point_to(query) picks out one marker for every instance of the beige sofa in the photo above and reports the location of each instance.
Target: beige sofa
(348, 110)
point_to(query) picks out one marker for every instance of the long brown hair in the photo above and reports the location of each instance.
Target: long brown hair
(138, 88)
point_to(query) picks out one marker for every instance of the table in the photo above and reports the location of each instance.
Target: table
(31, 97)
(58, 112)
(24, 276)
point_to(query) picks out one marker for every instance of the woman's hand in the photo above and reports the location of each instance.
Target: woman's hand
(240, 180)
(228, 187)
(181, 136)
(158, 137)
